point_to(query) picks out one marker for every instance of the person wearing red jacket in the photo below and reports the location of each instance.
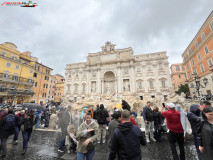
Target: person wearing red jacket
(176, 132)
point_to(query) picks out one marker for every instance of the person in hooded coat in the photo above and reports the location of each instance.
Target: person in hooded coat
(183, 118)
(194, 117)
(126, 140)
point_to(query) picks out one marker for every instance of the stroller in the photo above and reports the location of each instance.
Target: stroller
(71, 139)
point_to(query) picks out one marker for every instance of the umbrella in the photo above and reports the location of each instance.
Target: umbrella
(118, 106)
(32, 106)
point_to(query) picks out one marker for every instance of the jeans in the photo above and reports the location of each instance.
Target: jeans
(26, 137)
(38, 116)
(157, 132)
(179, 138)
(17, 130)
(102, 132)
(149, 126)
(197, 146)
(3, 147)
(85, 156)
(62, 138)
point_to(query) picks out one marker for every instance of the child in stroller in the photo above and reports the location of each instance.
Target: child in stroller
(71, 140)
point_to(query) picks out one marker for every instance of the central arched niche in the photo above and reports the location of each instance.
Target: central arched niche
(109, 83)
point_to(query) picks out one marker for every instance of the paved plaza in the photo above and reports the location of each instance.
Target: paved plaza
(44, 144)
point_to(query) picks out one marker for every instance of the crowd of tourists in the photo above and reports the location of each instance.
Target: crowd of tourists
(81, 130)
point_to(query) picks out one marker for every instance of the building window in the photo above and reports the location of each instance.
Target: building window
(30, 80)
(68, 87)
(149, 68)
(198, 56)
(46, 78)
(206, 50)
(179, 76)
(193, 63)
(177, 68)
(35, 84)
(140, 85)
(5, 75)
(17, 67)
(163, 84)
(151, 85)
(189, 75)
(187, 66)
(44, 95)
(76, 87)
(212, 78)
(190, 51)
(185, 75)
(15, 78)
(211, 25)
(31, 71)
(35, 75)
(45, 86)
(195, 71)
(203, 36)
(201, 68)
(47, 71)
(37, 68)
(183, 68)
(3, 53)
(209, 62)
(196, 45)
(160, 66)
(138, 69)
(84, 87)
(8, 64)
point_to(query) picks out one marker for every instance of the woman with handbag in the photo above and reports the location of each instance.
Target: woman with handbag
(87, 135)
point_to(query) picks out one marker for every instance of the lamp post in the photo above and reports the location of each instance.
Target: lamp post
(198, 82)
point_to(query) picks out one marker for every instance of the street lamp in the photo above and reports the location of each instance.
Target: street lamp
(197, 82)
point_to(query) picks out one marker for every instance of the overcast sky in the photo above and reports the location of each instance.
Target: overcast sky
(65, 31)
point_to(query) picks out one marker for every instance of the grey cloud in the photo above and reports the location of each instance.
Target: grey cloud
(62, 32)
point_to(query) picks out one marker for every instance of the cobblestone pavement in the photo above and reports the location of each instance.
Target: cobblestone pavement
(44, 144)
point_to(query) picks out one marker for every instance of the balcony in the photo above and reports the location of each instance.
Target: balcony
(15, 79)
(166, 89)
(16, 92)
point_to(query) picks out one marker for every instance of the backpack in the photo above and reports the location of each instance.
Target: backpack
(9, 123)
(101, 117)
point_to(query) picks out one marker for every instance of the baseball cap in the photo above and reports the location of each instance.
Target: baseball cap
(170, 105)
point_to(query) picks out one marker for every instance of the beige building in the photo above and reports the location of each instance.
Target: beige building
(178, 75)
(118, 73)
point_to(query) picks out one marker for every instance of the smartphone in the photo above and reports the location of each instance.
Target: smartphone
(92, 133)
(163, 105)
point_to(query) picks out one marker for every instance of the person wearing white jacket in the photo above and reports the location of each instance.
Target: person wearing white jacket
(183, 118)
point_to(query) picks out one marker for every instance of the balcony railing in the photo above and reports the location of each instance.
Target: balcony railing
(15, 79)
(16, 92)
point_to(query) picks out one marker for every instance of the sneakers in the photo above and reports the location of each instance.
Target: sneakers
(99, 141)
(15, 142)
(147, 141)
(59, 150)
(103, 141)
(24, 152)
(153, 140)
(68, 151)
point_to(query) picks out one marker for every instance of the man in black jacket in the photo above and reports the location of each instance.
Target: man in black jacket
(102, 114)
(148, 117)
(126, 140)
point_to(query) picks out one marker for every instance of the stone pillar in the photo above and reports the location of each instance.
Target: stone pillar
(88, 82)
(132, 78)
(99, 80)
(119, 79)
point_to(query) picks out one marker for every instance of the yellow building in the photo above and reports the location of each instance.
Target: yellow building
(16, 75)
(59, 91)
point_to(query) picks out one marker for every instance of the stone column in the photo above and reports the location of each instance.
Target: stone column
(99, 80)
(132, 77)
(119, 79)
(88, 91)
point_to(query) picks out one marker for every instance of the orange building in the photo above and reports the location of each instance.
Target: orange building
(41, 79)
(178, 75)
(197, 58)
(52, 88)
(59, 92)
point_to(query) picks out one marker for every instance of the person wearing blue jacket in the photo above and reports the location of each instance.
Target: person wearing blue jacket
(126, 140)
(194, 117)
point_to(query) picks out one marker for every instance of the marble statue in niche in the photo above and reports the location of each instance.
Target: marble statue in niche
(126, 85)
